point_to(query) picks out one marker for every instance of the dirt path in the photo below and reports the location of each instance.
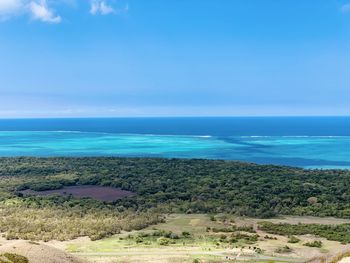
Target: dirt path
(186, 253)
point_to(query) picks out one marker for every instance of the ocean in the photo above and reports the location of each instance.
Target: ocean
(309, 142)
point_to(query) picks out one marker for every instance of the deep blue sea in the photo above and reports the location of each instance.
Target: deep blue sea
(310, 142)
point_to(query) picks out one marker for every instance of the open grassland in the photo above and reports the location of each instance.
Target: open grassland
(185, 238)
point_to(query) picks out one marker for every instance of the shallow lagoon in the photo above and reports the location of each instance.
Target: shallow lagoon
(303, 151)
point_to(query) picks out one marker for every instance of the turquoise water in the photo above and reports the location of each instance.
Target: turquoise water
(311, 142)
(303, 151)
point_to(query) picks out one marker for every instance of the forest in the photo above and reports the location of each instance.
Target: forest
(160, 186)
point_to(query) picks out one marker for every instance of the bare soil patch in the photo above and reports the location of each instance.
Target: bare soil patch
(39, 253)
(102, 193)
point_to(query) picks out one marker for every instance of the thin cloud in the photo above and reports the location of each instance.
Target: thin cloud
(9, 5)
(345, 8)
(37, 9)
(9, 8)
(40, 11)
(101, 7)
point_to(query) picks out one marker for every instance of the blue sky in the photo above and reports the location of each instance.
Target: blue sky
(78, 58)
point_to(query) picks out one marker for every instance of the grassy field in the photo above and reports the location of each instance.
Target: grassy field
(207, 239)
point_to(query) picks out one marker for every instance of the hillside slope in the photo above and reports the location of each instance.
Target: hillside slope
(39, 253)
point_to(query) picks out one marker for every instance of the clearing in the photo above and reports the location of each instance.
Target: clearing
(204, 237)
(102, 193)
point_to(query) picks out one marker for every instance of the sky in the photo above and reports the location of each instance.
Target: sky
(112, 58)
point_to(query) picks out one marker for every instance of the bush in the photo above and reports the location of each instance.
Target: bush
(249, 229)
(13, 258)
(283, 250)
(186, 234)
(139, 240)
(293, 239)
(315, 243)
(163, 241)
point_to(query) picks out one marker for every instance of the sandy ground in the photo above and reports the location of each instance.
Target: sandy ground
(331, 248)
(39, 253)
(345, 260)
(294, 220)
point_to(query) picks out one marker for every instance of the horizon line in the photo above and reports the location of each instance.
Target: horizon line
(176, 116)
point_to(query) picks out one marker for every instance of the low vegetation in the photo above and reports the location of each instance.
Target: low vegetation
(339, 232)
(283, 250)
(12, 258)
(181, 233)
(315, 243)
(293, 240)
(64, 219)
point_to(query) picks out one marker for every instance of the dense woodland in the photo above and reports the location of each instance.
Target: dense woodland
(162, 186)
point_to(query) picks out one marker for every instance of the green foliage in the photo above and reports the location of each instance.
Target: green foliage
(339, 232)
(195, 186)
(139, 239)
(161, 186)
(163, 241)
(283, 250)
(249, 229)
(45, 220)
(186, 234)
(293, 240)
(224, 229)
(270, 237)
(339, 257)
(315, 243)
(12, 258)
(249, 239)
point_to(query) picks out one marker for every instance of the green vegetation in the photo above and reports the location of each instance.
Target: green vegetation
(339, 257)
(270, 237)
(283, 250)
(314, 243)
(166, 238)
(339, 232)
(192, 186)
(293, 240)
(161, 186)
(12, 258)
(179, 232)
(43, 220)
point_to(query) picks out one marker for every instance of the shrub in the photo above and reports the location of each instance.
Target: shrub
(139, 240)
(315, 243)
(249, 229)
(283, 250)
(186, 234)
(293, 239)
(13, 258)
(163, 241)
